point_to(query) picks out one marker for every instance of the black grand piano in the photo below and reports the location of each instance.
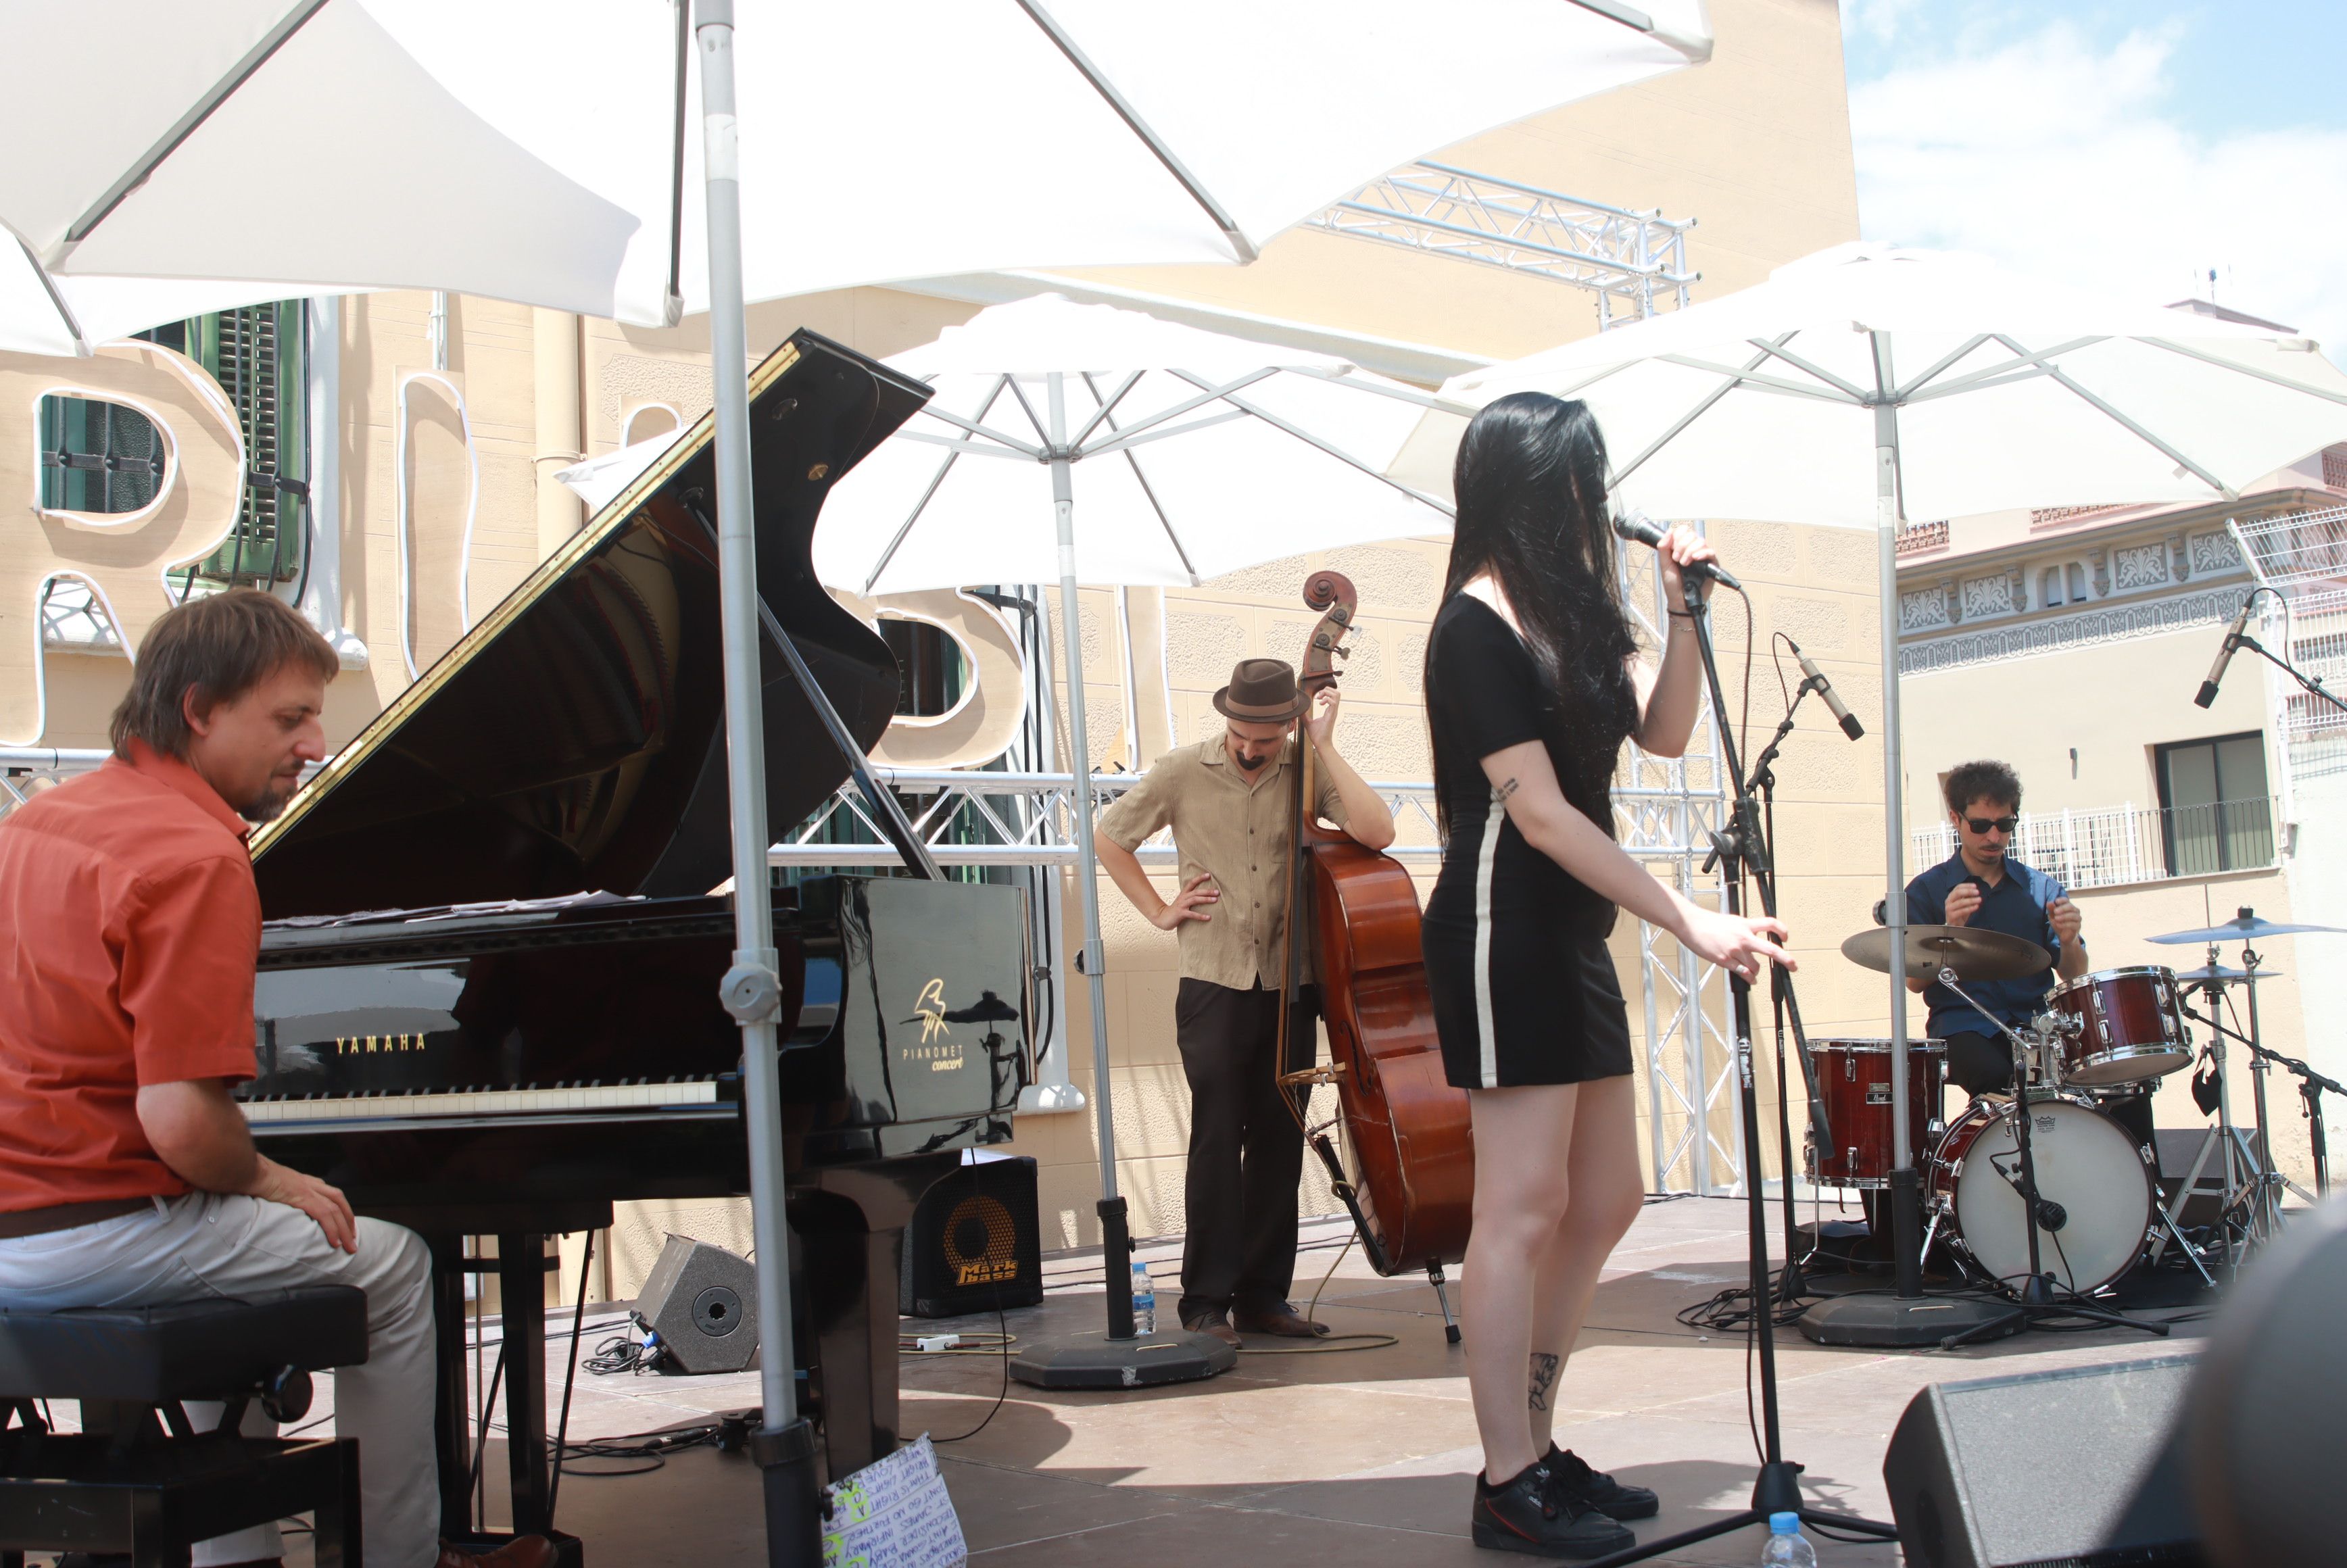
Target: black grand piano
(487, 1001)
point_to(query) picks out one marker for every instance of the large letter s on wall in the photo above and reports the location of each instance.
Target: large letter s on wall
(982, 724)
(123, 557)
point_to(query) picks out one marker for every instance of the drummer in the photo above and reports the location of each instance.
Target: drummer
(1983, 886)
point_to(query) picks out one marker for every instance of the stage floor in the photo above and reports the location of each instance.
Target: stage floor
(1365, 1456)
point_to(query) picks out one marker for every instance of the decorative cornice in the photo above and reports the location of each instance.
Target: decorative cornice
(2103, 623)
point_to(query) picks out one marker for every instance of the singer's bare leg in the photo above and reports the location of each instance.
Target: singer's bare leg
(1545, 1219)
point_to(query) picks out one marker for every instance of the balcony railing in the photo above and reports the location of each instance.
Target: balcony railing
(2118, 845)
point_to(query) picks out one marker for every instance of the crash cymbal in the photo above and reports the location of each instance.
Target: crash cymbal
(2243, 927)
(1974, 955)
(2220, 974)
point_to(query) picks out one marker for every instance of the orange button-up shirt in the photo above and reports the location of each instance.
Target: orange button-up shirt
(129, 927)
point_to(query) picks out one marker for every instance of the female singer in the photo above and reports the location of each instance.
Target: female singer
(1532, 683)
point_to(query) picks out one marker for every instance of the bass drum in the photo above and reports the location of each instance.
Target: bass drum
(2086, 1163)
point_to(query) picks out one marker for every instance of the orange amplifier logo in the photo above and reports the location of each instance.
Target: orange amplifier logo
(981, 1242)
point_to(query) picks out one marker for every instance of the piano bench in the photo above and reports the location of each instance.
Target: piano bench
(139, 1478)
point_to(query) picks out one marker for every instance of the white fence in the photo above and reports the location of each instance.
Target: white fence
(2123, 843)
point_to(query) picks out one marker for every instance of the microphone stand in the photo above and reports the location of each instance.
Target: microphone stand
(2311, 683)
(1742, 849)
(1791, 1284)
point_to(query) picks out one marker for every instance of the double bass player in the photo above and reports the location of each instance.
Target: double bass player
(1228, 801)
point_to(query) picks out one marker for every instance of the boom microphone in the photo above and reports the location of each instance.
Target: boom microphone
(2225, 654)
(1817, 678)
(1640, 531)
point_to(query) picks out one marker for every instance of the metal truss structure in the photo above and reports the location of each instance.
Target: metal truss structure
(1630, 260)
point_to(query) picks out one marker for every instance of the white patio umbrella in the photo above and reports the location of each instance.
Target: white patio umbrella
(546, 150)
(1867, 384)
(1193, 454)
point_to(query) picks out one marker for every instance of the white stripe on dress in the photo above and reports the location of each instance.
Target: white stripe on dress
(1486, 852)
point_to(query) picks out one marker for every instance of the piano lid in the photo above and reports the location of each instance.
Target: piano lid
(574, 740)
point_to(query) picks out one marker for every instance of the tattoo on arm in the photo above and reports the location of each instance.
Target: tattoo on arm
(1509, 788)
(1544, 1369)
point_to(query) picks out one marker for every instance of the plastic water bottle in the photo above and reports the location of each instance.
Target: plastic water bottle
(1786, 1547)
(1144, 1304)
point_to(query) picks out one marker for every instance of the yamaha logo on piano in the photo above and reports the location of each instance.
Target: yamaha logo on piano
(937, 1047)
(377, 1044)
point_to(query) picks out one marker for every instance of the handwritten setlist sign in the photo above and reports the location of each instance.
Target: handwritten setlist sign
(894, 1514)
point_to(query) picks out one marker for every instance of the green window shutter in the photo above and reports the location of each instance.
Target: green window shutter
(257, 354)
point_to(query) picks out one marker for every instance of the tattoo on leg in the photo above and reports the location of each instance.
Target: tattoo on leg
(1545, 1368)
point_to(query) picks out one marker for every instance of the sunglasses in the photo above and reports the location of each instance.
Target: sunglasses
(2005, 824)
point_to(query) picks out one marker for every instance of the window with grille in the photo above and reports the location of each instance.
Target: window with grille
(98, 456)
(2214, 810)
(257, 355)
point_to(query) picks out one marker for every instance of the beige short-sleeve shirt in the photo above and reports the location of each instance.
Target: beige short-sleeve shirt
(1240, 834)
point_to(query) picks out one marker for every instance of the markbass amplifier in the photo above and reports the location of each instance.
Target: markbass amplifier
(973, 1245)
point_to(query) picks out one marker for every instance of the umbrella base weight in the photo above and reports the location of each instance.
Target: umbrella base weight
(1097, 1361)
(1903, 1322)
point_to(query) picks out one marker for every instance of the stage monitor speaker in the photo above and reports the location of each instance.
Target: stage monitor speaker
(974, 1244)
(2075, 1468)
(703, 1302)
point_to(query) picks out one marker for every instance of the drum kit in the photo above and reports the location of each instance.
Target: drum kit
(2043, 1183)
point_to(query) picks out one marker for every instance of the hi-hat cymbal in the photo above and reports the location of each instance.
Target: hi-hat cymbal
(1973, 954)
(2220, 974)
(2243, 927)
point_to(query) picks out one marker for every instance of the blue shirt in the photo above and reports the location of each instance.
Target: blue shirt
(2016, 906)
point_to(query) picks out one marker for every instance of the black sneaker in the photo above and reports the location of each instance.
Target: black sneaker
(1531, 1514)
(1594, 1489)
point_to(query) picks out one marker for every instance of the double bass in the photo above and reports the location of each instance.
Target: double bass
(1409, 1186)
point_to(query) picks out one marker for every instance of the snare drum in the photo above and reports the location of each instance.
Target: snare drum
(1854, 1086)
(2130, 1026)
(2086, 1166)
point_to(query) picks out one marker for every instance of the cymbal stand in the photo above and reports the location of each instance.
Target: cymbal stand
(1741, 849)
(2036, 1296)
(2267, 1210)
(2246, 1186)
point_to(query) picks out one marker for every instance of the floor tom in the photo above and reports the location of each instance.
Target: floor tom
(1854, 1087)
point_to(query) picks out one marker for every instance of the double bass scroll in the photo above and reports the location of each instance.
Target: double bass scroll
(1410, 1181)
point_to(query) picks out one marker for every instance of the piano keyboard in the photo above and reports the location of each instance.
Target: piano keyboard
(560, 1099)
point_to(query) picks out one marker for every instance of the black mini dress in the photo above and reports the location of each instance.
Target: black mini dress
(1524, 989)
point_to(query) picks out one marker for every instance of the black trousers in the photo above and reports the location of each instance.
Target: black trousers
(1977, 1062)
(1246, 1152)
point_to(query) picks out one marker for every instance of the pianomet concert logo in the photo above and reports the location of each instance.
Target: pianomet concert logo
(937, 1047)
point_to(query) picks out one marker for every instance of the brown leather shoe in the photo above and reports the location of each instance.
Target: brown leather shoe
(521, 1552)
(1216, 1321)
(1287, 1323)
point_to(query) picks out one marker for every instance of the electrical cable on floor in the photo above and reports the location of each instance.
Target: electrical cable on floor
(1327, 1343)
(635, 1446)
(1002, 1323)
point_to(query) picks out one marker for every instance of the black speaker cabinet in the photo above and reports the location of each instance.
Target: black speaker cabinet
(2079, 1468)
(703, 1302)
(974, 1245)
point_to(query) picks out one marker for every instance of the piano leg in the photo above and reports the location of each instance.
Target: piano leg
(452, 1422)
(521, 1279)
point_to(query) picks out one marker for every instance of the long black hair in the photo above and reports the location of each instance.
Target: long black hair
(1530, 485)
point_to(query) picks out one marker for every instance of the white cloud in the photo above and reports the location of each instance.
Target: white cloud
(2065, 157)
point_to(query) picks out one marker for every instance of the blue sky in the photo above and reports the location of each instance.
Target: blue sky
(2132, 147)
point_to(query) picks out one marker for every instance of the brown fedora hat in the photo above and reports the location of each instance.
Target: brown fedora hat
(1262, 691)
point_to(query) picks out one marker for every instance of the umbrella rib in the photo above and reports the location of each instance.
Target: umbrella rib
(1140, 478)
(944, 468)
(1779, 351)
(1691, 415)
(2128, 425)
(49, 287)
(1140, 438)
(2026, 362)
(1240, 245)
(1107, 404)
(1951, 357)
(1212, 395)
(964, 447)
(675, 301)
(988, 431)
(1042, 453)
(188, 124)
(1769, 382)
(2243, 369)
(1399, 394)
(1333, 450)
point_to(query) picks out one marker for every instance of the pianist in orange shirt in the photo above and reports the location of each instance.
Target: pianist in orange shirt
(128, 1177)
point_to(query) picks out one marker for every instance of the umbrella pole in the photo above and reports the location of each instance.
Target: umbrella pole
(1116, 1236)
(784, 1444)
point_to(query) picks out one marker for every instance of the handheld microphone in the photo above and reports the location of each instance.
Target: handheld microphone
(2225, 654)
(1817, 678)
(1640, 531)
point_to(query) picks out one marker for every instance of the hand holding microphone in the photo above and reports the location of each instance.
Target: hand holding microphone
(1681, 550)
